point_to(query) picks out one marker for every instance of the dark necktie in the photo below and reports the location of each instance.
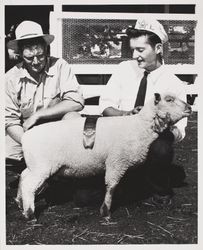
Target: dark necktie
(142, 91)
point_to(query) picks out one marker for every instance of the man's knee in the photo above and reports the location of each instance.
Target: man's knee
(159, 160)
(161, 151)
(16, 166)
(161, 148)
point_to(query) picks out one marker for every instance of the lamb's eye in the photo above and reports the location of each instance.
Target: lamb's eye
(169, 99)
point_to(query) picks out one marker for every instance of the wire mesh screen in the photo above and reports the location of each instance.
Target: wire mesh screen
(94, 41)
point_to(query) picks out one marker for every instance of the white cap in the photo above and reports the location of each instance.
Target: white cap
(28, 30)
(153, 26)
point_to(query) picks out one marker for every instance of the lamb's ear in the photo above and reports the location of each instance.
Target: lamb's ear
(157, 98)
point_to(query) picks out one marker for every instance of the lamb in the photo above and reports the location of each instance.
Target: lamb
(120, 143)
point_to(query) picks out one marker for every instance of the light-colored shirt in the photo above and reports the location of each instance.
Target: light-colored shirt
(121, 89)
(24, 95)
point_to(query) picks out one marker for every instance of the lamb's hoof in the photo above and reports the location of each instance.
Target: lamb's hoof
(29, 215)
(162, 201)
(104, 211)
(108, 221)
(32, 222)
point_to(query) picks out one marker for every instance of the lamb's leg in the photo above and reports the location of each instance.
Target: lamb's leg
(18, 198)
(29, 184)
(106, 206)
(115, 170)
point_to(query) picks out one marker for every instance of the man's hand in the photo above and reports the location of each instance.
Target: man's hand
(31, 121)
(177, 134)
(136, 110)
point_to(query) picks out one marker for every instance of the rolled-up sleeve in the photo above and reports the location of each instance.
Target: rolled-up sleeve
(12, 111)
(69, 86)
(110, 97)
(181, 93)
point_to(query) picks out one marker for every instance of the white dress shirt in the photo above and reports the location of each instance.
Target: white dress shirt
(121, 89)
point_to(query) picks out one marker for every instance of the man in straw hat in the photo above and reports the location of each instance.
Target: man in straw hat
(39, 89)
(134, 82)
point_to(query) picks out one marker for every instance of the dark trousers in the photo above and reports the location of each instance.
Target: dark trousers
(159, 163)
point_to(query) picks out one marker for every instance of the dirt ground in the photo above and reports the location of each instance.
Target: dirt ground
(63, 218)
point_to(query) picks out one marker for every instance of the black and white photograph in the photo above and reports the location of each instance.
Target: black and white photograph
(100, 108)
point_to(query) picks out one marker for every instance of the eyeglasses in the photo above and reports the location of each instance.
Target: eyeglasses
(39, 58)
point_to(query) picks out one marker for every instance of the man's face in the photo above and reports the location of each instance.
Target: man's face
(144, 53)
(34, 57)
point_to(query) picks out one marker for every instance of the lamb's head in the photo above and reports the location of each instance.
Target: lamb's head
(169, 110)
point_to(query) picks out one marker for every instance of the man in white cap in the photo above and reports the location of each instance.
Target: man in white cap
(39, 89)
(134, 82)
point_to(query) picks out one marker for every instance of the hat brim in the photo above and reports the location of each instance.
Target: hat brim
(13, 44)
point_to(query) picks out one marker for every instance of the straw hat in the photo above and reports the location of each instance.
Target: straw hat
(28, 30)
(153, 26)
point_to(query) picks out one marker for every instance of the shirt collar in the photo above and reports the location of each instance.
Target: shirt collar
(154, 75)
(49, 69)
(24, 73)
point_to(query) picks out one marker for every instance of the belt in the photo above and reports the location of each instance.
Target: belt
(89, 131)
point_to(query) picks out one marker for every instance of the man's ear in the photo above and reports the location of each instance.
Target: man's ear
(157, 98)
(159, 48)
